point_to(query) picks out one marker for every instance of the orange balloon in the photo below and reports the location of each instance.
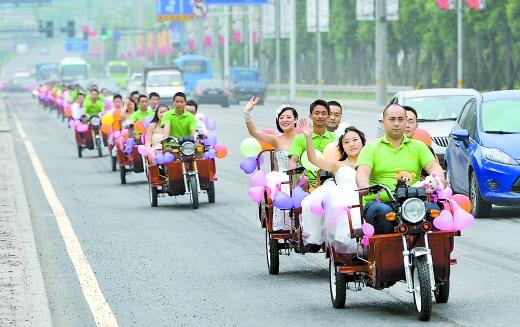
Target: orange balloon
(463, 201)
(422, 135)
(266, 146)
(221, 151)
(68, 112)
(117, 115)
(105, 129)
(330, 152)
(139, 127)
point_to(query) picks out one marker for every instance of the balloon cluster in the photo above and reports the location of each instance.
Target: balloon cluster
(250, 148)
(214, 150)
(79, 126)
(455, 215)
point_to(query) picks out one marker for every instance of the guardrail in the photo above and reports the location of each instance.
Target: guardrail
(339, 88)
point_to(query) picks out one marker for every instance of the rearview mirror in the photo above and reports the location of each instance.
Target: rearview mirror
(461, 135)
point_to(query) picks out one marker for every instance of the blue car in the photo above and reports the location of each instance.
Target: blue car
(483, 154)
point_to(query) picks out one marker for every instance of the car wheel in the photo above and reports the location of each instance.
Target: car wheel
(479, 206)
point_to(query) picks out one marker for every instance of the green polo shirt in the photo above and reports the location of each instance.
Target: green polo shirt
(93, 108)
(181, 125)
(381, 156)
(299, 145)
(140, 115)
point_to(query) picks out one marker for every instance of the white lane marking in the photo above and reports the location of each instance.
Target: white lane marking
(97, 303)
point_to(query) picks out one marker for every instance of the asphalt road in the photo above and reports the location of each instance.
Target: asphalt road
(173, 266)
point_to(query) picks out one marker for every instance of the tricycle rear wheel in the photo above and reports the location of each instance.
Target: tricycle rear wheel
(153, 194)
(122, 174)
(113, 161)
(80, 154)
(422, 294)
(211, 192)
(338, 286)
(442, 292)
(272, 254)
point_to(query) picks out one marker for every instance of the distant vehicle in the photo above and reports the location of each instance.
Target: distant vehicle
(135, 83)
(165, 81)
(21, 48)
(483, 155)
(22, 82)
(47, 72)
(106, 83)
(194, 68)
(73, 70)
(246, 83)
(211, 91)
(437, 110)
(119, 71)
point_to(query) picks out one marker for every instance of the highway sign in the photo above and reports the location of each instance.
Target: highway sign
(235, 2)
(170, 10)
(76, 45)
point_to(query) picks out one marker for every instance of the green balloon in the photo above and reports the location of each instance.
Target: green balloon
(250, 147)
(307, 164)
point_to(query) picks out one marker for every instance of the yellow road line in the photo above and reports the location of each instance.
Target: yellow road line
(97, 303)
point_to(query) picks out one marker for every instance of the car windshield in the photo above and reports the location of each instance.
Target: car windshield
(172, 79)
(441, 107)
(118, 69)
(501, 116)
(244, 75)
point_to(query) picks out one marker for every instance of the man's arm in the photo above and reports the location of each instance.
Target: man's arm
(294, 162)
(363, 176)
(435, 167)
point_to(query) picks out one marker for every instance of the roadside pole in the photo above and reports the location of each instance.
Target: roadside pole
(381, 49)
(251, 40)
(292, 53)
(460, 77)
(318, 54)
(277, 31)
(226, 42)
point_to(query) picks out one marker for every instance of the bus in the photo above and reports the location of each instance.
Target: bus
(119, 72)
(194, 68)
(73, 70)
(46, 72)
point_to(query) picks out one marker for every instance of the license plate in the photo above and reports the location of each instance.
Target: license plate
(212, 92)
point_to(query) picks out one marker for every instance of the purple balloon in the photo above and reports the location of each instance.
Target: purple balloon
(211, 125)
(211, 153)
(146, 121)
(159, 158)
(168, 157)
(128, 149)
(298, 195)
(130, 142)
(282, 201)
(211, 140)
(248, 165)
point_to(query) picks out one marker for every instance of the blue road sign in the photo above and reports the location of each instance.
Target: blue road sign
(76, 45)
(235, 2)
(174, 7)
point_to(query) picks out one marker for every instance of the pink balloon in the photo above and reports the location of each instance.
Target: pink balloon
(258, 178)
(117, 134)
(317, 207)
(364, 241)
(142, 150)
(71, 124)
(444, 221)
(368, 229)
(461, 218)
(256, 193)
(446, 193)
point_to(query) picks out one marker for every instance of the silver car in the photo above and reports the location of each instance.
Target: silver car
(437, 110)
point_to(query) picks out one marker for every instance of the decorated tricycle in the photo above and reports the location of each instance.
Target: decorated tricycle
(184, 166)
(417, 253)
(87, 134)
(128, 156)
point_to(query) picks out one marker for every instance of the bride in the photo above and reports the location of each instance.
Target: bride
(285, 119)
(332, 225)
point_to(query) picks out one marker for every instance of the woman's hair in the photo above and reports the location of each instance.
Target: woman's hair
(135, 103)
(280, 112)
(342, 154)
(155, 118)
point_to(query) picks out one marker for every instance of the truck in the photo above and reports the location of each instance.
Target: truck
(165, 81)
(245, 83)
(73, 70)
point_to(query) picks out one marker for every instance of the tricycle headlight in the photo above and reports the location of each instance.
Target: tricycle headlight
(188, 148)
(413, 210)
(95, 121)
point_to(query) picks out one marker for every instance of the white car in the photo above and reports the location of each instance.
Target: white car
(437, 110)
(135, 83)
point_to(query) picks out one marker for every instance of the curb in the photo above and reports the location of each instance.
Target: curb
(36, 311)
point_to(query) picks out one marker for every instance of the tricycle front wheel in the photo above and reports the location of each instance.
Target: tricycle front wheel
(422, 294)
(338, 286)
(194, 191)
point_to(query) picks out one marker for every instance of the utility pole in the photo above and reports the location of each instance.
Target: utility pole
(381, 52)
(318, 50)
(460, 77)
(245, 26)
(251, 40)
(226, 42)
(277, 31)
(292, 53)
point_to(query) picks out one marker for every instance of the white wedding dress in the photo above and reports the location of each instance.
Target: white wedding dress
(337, 200)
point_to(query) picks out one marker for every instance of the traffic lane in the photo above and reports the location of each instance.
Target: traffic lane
(238, 230)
